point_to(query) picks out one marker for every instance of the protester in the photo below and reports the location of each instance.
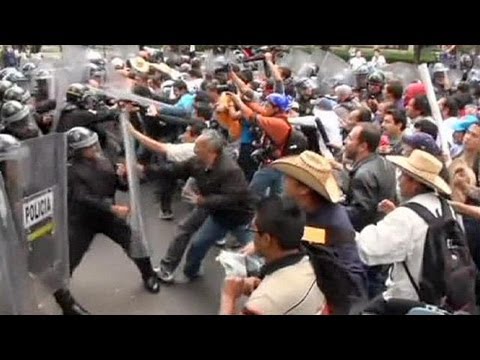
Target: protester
(450, 118)
(399, 238)
(310, 182)
(371, 180)
(272, 120)
(173, 153)
(223, 204)
(394, 94)
(259, 125)
(394, 124)
(288, 285)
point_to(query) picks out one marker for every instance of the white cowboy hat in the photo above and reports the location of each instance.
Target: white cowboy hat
(424, 168)
(314, 171)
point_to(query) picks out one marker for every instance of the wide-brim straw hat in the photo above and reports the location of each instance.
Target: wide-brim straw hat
(314, 171)
(140, 64)
(424, 168)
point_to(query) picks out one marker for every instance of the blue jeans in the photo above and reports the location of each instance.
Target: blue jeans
(210, 232)
(265, 178)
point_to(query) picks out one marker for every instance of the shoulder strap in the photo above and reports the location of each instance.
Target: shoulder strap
(322, 131)
(428, 217)
(421, 211)
(446, 210)
(410, 277)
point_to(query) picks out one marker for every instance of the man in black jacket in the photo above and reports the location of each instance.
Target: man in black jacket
(223, 204)
(371, 180)
(92, 183)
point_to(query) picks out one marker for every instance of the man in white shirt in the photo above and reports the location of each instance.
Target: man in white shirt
(357, 61)
(174, 153)
(400, 236)
(330, 120)
(378, 60)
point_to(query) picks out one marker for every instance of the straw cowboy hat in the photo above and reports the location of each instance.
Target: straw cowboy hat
(140, 64)
(424, 168)
(314, 171)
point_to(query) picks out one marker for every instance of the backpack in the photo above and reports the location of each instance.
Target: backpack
(296, 144)
(448, 272)
(335, 281)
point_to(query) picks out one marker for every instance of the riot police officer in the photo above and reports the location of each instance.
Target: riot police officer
(375, 84)
(14, 76)
(17, 120)
(361, 76)
(439, 74)
(76, 113)
(374, 94)
(4, 86)
(304, 97)
(17, 93)
(92, 183)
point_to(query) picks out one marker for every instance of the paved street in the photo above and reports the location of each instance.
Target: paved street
(107, 282)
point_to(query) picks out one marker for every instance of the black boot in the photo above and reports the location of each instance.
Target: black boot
(68, 304)
(149, 276)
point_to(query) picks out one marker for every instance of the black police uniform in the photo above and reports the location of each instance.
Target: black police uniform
(91, 192)
(74, 116)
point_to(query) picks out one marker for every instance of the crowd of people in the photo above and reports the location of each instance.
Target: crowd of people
(347, 197)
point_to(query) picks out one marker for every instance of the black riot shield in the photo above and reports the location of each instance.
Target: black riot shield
(37, 188)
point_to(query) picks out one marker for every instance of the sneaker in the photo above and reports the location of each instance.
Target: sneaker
(167, 215)
(221, 243)
(165, 276)
(187, 278)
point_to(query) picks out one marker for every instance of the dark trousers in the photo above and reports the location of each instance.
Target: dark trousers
(82, 233)
(166, 189)
(245, 161)
(184, 232)
(377, 276)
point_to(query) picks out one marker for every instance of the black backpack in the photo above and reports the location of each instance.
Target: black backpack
(335, 281)
(448, 272)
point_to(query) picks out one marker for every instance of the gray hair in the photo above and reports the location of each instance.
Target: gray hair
(214, 138)
(343, 91)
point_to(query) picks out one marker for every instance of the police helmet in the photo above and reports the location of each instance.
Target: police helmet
(439, 68)
(76, 92)
(17, 93)
(376, 78)
(4, 86)
(14, 76)
(8, 143)
(13, 111)
(362, 70)
(28, 68)
(81, 138)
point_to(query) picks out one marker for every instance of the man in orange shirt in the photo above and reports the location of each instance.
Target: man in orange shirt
(271, 121)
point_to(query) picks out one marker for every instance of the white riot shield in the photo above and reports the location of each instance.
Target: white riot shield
(139, 247)
(38, 196)
(406, 73)
(295, 60)
(16, 290)
(333, 71)
(125, 51)
(71, 69)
